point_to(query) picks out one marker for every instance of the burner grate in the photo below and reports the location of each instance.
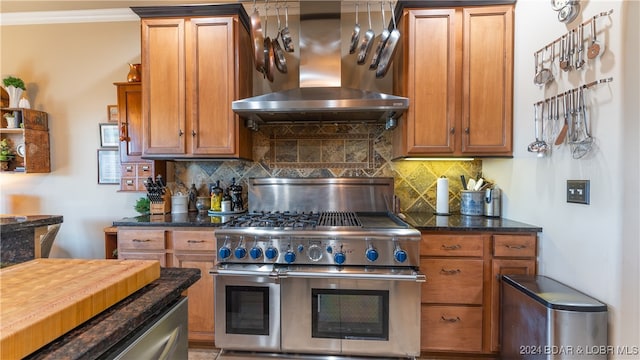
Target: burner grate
(339, 218)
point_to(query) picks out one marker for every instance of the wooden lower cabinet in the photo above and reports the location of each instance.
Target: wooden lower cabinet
(185, 248)
(461, 297)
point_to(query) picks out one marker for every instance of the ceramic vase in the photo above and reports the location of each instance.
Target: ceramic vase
(14, 95)
(12, 122)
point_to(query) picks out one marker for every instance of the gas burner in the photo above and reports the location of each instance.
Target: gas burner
(274, 220)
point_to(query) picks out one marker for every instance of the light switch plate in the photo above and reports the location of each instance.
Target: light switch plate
(578, 191)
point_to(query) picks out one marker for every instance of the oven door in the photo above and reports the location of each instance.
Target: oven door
(247, 307)
(351, 310)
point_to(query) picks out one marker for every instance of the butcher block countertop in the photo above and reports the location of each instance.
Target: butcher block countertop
(94, 337)
(42, 299)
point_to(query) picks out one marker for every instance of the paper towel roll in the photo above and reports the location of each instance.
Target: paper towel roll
(442, 196)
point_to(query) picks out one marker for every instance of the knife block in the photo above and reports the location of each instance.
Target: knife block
(163, 207)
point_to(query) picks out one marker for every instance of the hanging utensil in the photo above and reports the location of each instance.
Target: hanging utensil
(595, 48)
(269, 56)
(258, 39)
(389, 48)
(563, 132)
(367, 40)
(285, 34)
(544, 75)
(382, 39)
(355, 35)
(584, 141)
(539, 146)
(580, 48)
(280, 60)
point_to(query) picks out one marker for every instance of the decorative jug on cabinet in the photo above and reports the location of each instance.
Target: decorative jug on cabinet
(134, 73)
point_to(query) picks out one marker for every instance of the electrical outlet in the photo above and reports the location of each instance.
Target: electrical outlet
(578, 191)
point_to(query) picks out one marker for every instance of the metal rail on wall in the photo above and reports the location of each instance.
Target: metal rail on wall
(571, 91)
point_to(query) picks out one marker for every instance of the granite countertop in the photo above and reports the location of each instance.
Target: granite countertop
(9, 222)
(191, 219)
(457, 222)
(94, 337)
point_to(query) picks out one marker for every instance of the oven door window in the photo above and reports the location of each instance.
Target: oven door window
(350, 314)
(247, 310)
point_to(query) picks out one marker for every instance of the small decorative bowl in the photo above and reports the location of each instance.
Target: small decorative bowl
(203, 203)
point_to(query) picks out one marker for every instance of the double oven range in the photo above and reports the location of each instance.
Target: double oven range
(318, 267)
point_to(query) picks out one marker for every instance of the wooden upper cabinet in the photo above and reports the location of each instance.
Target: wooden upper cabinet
(456, 67)
(192, 70)
(130, 121)
(487, 80)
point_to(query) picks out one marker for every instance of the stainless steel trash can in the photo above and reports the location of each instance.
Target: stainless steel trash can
(542, 318)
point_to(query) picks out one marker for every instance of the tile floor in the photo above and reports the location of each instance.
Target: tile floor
(210, 354)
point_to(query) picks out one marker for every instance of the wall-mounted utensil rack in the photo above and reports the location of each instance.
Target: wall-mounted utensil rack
(571, 91)
(569, 48)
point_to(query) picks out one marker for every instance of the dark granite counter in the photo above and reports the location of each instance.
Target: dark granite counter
(18, 234)
(177, 220)
(457, 222)
(96, 336)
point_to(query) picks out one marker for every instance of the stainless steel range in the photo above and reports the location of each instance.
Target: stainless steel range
(319, 266)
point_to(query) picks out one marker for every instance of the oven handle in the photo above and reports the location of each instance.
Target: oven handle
(230, 272)
(416, 276)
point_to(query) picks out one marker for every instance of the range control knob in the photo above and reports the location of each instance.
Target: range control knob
(371, 254)
(329, 249)
(224, 252)
(300, 248)
(400, 255)
(240, 252)
(271, 253)
(290, 256)
(340, 258)
(255, 252)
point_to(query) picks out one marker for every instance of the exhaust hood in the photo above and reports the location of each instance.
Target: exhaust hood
(320, 96)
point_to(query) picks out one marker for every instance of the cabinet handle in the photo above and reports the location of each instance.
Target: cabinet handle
(180, 132)
(449, 272)
(193, 133)
(195, 241)
(140, 241)
(515, 247)
(451, 247)
(451, 320)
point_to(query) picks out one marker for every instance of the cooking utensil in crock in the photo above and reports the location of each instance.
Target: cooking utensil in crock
(280, 60)
(569, 12)
(389, 48)
(595, 48)
(544, 75)
(382, 39)
(285, 34)
(367, 40)
(258, 39)
(355, 35)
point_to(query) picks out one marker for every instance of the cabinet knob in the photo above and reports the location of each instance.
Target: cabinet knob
(452, 130)
(180, 132)
(193, 133)
(466, 131)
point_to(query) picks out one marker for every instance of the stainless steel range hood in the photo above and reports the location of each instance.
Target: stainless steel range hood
(320, 97)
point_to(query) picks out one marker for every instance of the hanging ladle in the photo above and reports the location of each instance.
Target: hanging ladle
(539, 146)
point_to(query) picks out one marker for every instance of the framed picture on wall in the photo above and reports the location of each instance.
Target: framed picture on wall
(108, 166)
(112, 113)
(109, 135)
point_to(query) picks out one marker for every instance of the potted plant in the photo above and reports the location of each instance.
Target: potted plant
(6, 154)
(14, 87)
(11, 120)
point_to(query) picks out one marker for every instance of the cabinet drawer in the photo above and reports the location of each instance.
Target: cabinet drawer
(145, 170)
(160, 256)
(128, 170)
(141, 239)
(451, 328)
(194, 240)
(452, 281)
(514, 245)
(128, 184)
(451, 245)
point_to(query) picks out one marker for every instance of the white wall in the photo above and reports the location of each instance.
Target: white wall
(593, 248)
(69, 71)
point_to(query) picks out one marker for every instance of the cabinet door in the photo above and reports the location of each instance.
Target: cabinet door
(163, 86)
(504, 267)
(130, 122)
(201, 320)
(430, 47)
(487, 80)
(211, 81)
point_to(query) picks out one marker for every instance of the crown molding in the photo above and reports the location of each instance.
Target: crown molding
(67, 17)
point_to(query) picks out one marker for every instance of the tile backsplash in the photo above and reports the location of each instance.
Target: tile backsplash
(358, 150)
